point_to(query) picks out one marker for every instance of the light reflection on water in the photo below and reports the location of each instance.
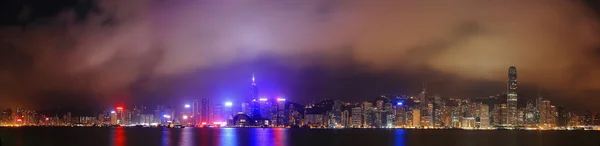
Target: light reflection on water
(399, 137)
(228, 137)
(258, 137)
(126, 136)
(118, 136)
(166, 137)
(187, 137)
(280, 137)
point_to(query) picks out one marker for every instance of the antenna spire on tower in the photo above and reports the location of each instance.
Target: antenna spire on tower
(424, 87)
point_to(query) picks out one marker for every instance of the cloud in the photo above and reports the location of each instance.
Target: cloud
(112, 46)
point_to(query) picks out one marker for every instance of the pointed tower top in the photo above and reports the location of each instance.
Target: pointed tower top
(252, 77)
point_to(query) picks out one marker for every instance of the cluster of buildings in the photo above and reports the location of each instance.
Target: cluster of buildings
(509, 110)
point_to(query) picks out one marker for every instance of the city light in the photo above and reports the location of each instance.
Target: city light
(228, 104)
(276, 115)
(220, 123)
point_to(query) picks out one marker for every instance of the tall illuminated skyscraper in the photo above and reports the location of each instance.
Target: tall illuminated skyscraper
(511, 96)
(204, 112)
(195, 114)
(254, 98)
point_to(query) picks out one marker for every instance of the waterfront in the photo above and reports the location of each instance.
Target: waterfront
(123, 136)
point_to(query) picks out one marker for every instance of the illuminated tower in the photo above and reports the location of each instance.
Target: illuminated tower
(195, 112)
(254, 98)
(423, 95)
(511, 96)
(120, 115)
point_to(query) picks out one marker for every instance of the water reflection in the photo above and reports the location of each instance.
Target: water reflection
(228, 137)
(166, 137)
(187, 137)
(399, 137)
(280, 138)
(118, 136)
(268, 137)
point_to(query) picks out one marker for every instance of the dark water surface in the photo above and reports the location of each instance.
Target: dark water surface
(121, 136)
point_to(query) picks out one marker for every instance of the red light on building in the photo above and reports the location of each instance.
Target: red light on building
(19, 120)
(119, 108)
(47, 119)
(203, 123)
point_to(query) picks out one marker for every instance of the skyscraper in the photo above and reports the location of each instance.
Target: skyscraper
(563, 118)
(511, 96)
(356, 119)
(195, 114)
(254, 98)
(484, 116)
(204, 110)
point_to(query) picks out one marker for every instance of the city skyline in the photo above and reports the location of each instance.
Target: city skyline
(299, 72)
(387, 111)
(428, 104)
(510, 89)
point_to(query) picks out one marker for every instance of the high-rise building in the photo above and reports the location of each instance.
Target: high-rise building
(294, 115)
(455, 116)
(587, 118)
(120, 115)
(254, 101)
(217, 114)
(195, 113)
(336, 113)
(530, 115)
(356, 119)
(563, 117)
(380, 114)
(228, 112)
(368, 114)
(416, 118)
(512, 97)
(596, 119)
(6, 117)
(401, 115)
(438, 112)
(279, 112)
(546, 114)
(484, 116)
(345, 119)
(499, 114)
(204, 112)
(389, 116)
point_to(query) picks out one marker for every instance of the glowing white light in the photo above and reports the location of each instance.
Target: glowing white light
(228, 104)
(187, 106)
(280, 99)
(262, 99)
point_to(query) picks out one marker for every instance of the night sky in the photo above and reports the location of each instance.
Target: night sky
(96, 54)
